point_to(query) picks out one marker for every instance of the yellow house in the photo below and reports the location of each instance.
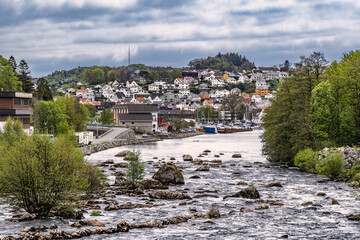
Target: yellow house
(261, 92)
(222, 75)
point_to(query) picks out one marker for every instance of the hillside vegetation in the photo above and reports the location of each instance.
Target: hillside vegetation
(223, 62)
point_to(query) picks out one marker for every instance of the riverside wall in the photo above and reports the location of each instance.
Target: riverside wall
(128, 138)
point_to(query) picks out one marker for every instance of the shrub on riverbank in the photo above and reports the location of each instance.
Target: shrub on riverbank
(37, 174)
(306, 159)
(332, 166)
(135, 169)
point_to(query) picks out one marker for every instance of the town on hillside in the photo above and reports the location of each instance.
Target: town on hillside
(148, 101)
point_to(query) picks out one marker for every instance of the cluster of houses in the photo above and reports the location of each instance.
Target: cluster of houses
(144, 106)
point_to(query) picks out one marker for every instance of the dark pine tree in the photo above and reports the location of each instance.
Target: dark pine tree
(43, 91)
(24, 77)
(12, 61)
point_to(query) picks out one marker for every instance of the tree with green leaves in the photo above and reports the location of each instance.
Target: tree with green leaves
(135, 169)
(43, 91)
(153, 75)
(88, 76)
(76, 113)
(36, 174)
(287, 123)
(111, 76)
(99, 75)
(25, 78)
(8, 77)
(232, 103)
(336, 102)
(12, 131)
(91, 109)
(175, 73)
(107, 116)
(48, 116)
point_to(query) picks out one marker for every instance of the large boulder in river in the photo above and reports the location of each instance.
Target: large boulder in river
(123, 153)
(236, 155)
(249, 192)
(187, 157)
(213, 211)
(168, 173)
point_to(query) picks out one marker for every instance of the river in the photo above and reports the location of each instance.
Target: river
(292, 220)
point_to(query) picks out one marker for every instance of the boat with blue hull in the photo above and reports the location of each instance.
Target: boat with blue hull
(210, 129)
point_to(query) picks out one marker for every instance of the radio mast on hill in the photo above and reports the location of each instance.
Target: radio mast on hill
(129, 56)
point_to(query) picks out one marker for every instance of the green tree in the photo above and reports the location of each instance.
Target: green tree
(8, 77)
(135, 169)
(76, 113)
(48, 116)
(43, 91)
(107, 116)
(287, 122)
(99, 75)
(111, 76)
(88, 76)
(24, 77)
(91, 109)
(175, 73)
(154, 75)
(37, 174)
(232, 103)
(12, 132)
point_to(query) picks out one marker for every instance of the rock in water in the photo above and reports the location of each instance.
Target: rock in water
(273, 184)
(249, 192)
(123, 153)
(204, 168)
(213, 211)
(168, 195)
(187, 157)
(237, 155)
(123, 226)
(168, 173)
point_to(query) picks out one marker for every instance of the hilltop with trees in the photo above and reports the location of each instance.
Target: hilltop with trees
(223, 62)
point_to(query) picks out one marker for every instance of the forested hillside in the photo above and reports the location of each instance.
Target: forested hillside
(223, 62)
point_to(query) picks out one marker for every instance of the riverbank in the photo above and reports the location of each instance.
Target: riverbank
(129, 138)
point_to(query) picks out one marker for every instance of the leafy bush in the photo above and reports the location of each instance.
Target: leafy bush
(306, 159)
(135, 169)
(332, 166)
(95, 178)
(37, 174)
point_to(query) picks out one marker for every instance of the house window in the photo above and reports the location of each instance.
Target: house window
(123, 122)
(17, 101)
(132, 122)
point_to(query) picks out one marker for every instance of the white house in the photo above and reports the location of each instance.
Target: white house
(184, 92)
(216, 82)
(256, 98)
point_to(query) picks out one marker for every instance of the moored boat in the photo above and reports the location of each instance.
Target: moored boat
(210, 129)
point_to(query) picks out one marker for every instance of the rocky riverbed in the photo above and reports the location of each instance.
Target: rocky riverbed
(230, 191)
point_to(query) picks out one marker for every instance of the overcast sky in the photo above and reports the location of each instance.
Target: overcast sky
(62, 34)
